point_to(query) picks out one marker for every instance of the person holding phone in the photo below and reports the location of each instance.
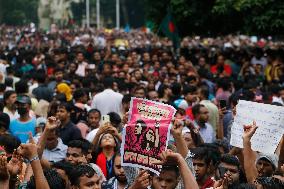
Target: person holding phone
(229, 172)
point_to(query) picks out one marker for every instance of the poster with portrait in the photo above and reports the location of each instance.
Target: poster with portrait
(146, 134)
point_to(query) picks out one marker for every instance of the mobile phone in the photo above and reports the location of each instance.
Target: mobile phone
(223, 104)
(222, 171)
(105, 119)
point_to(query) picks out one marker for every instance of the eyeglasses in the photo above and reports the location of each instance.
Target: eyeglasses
(224, 170)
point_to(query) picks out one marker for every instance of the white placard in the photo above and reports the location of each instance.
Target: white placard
(270, 122)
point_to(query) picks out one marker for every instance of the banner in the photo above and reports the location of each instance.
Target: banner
(146, 134)
(270, 122)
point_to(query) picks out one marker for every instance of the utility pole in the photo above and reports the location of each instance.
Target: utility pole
(88, 13)
(117, 15)
(98, 13)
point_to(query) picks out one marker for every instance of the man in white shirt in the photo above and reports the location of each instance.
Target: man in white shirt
(201, 116)
(203, 94)
(82, 65)
(108, 100)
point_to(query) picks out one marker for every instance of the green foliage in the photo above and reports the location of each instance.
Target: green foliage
(18, 12)
(214, 17)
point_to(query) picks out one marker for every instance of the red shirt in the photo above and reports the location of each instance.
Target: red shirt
(189, 113)
(208, 183)
(227, 69)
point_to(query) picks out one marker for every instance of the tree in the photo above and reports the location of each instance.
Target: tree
(215, 17)
(258, 16)
(18, 12)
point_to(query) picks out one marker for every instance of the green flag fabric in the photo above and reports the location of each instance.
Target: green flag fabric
(168, 27)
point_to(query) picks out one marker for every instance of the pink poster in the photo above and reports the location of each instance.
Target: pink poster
(147, 133)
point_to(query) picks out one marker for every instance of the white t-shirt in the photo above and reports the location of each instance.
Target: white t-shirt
(107, 101)
(91, 135)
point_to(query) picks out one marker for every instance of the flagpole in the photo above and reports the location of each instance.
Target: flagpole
(98, 13)
(88, 13)
(117, 15)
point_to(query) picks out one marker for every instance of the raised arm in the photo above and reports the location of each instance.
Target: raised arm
(29, 151)
(51, 125)
(249, 154)
(186, 174)
(180, 142)
(220, 129)
(4, 173)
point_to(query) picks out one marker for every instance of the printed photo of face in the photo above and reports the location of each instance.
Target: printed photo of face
(150, 136)
(139, 126)
(138, 129)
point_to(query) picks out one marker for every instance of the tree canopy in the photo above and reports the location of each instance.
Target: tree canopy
(213, 17)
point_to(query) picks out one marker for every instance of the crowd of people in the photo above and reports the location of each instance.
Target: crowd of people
(55, 87)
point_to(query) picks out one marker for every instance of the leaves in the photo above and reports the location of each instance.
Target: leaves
(18, 12)
(263, 17)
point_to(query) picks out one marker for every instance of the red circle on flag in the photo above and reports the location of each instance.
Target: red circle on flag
(171, 27)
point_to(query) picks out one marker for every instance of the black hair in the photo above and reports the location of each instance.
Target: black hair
(204, 90)
(203, 153)
(9, 82)
(172, 168)
(190, 78)
(40, 77)
(94, 111)
(196, 109)
(230, 159)
(79, 93)
(247, 95)
(2, 87)
(4, 121)
(176, 89)
(9, 142)
(161, 90)
(87, 144)
(213, 151)
(108, 82)
(58, 69)
(189, 89)
(203, 72)
(66, 106)
(61, 97)
(63, 165)
(1, 105)
(80, 171)
(21, 87)
(233, 99)
(79, 144)
(139, 88)
(114, 118)
(53, 179)
(9, 70)
(224, 83)
(224, 143)
(126, 98)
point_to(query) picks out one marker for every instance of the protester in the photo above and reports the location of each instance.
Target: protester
(25, 124)
(104, 103)
(57, 87)
(67, 131)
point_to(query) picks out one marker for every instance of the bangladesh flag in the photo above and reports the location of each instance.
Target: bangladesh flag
(168, 27)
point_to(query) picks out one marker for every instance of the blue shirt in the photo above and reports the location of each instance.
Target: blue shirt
(21, 129)
(207, 133)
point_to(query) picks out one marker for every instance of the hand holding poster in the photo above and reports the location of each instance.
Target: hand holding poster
(146, 134)
(270, 122)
